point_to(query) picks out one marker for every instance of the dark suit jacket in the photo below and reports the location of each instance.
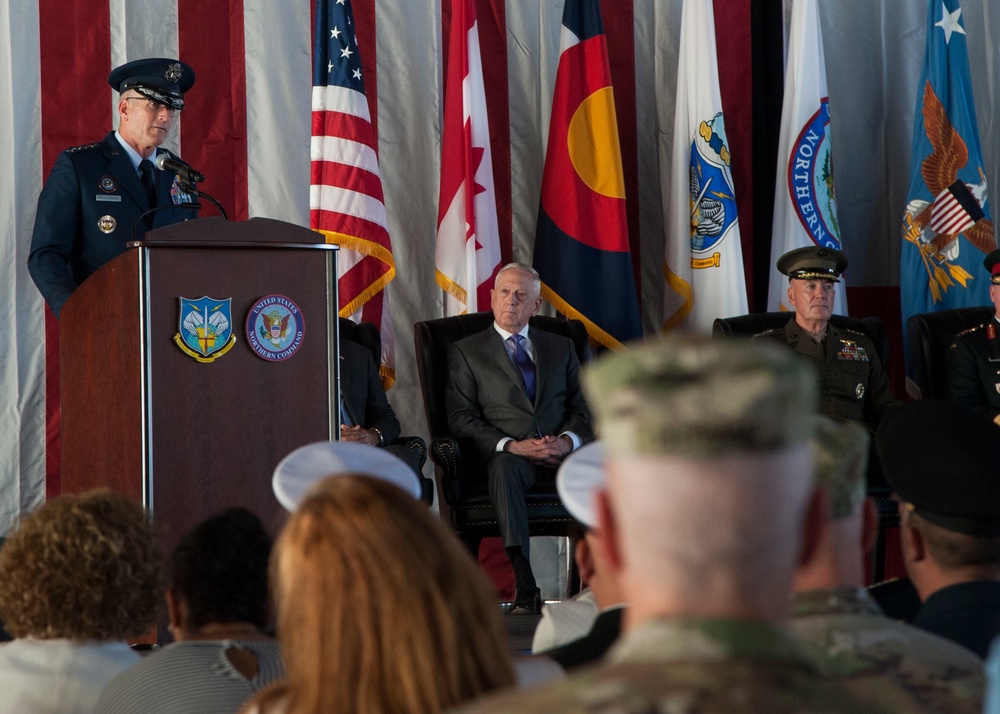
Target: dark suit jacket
(486, 399)
(973, 372)
(363, 393)
(87, 184)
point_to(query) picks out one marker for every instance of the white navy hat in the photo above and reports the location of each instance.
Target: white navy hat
(298, 472)
(579, 477)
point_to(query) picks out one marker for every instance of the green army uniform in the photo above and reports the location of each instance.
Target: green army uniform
(888, 663)
(852, 382)
(690, 665)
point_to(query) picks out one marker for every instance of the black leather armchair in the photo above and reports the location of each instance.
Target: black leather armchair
(367, 335)
(930, 334)
(461, 487)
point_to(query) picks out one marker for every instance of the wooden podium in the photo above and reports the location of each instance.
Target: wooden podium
(145, 413)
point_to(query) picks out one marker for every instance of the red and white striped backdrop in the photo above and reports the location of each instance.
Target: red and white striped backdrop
(247, 127)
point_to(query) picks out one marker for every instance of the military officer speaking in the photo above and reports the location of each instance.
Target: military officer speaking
(973, 367)
(96, 192)
(852, 381)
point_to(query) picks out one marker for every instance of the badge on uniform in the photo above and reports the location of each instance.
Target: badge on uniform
(275, 328)
(859, 391)
(205, 328)
(107, 224)
(851, 351)
(991, 331)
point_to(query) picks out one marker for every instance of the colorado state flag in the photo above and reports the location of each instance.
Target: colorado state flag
(581, 246)
(946, 227)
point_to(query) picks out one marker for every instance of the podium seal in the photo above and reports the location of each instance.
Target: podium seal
(205, 328)
(275, 328)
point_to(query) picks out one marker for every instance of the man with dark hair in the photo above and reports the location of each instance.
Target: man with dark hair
(941, 459)
(513, 395)
(219, 611)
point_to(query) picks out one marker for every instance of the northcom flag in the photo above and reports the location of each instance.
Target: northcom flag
(805, 208)
(582, 245)
(703, 258)
(467, 254)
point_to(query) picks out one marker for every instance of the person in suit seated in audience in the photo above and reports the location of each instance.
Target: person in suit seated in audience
(219, 611)
(380, 608)
(941, 460)
(852, 381)
(513, 395)
(885, 662)
(709, 476)
(78, 576)
(973, 365)
(578, 480)
(366, 416)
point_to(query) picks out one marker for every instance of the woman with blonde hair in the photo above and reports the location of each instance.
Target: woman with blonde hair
(380, 608)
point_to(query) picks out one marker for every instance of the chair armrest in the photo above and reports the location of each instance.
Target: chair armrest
(446, 453)
(415, 444)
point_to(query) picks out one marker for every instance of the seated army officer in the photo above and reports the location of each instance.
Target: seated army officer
(973, 374)
(852, 382)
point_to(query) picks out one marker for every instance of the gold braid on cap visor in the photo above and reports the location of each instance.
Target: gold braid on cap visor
(814, 275)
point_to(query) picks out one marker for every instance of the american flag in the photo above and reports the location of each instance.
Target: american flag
(346, 203)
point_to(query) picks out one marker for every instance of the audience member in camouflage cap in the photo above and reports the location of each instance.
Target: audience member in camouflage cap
(941, 459)
(708, 479)
(882, 661)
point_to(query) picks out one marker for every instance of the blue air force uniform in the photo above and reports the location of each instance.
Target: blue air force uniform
(90, 207)
(86, 213)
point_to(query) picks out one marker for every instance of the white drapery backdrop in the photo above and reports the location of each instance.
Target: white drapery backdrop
(874, 50)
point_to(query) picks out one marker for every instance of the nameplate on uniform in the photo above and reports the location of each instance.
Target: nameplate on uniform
(851, 352)
(109, 199)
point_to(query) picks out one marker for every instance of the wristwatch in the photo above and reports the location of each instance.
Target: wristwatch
(378, 433)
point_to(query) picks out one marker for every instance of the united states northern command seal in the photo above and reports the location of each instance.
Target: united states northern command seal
(275, 328)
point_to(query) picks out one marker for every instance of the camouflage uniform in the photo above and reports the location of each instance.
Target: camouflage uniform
(690, 665)
(852, 382)
(883, 661)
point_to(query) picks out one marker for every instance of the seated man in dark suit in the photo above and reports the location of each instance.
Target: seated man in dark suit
(365, 413)
(973, 374)
(515, 396)
(941, 460)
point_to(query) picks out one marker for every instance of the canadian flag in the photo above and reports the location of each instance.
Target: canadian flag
(468, 242)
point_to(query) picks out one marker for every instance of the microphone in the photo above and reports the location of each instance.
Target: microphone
(183, 170)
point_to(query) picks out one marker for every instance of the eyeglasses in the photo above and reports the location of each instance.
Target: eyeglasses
(153, 106)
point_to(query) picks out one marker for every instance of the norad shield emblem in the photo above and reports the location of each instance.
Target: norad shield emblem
(205, 328)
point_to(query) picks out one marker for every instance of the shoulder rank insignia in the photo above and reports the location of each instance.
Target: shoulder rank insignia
(275, 328)
(205, 328)
(851, 351)
(84, 147)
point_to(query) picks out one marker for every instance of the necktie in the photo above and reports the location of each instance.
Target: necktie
(524, 363)
(148, 182)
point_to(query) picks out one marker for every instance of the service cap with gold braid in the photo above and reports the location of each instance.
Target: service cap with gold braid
(695, 396)
(941, 458)
(813, 263)
(158, 78)
(992, 263)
